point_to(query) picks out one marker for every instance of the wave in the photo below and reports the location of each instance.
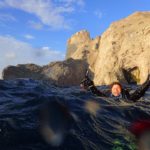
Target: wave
(36, 115)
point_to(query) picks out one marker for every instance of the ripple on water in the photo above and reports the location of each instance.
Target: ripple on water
(97, 123)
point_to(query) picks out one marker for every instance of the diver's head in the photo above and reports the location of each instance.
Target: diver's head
(116, 88)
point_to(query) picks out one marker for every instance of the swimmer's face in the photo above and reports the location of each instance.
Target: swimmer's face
(116, 90)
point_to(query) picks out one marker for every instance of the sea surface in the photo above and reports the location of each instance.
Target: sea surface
(37, 116)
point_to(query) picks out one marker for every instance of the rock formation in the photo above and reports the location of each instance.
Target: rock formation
(122, 51)
(81, 46)
(22, 71)
(62, 73)
(78, 39)
(125, 45)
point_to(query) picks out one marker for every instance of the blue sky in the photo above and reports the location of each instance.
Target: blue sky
(36, 31)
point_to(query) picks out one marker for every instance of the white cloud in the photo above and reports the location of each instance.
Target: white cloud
(98, 13)
(7, 17)
(15, 52)
(10, 55)
(70, 2)
(35, 25)
(50, 13)
(29, 36)
(45, 48)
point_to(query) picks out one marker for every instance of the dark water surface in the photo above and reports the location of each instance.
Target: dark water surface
(83, 122)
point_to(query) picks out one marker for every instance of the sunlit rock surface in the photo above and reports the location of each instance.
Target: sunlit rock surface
(124, 45)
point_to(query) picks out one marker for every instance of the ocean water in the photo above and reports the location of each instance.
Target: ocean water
(37, 116)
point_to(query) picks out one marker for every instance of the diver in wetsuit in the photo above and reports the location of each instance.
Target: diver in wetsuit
(117, 91)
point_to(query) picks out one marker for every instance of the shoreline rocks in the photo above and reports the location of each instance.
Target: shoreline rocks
(61, 73)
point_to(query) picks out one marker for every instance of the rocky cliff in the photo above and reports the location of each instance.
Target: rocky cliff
(125, 45)
(81, 46)
(123, 48)
(121, 53)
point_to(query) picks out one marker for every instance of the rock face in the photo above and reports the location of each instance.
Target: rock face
(81, 46)
(78, 39)
(68, 72)
(62, 73)
(125, 45)
(121, 53)
(22, 71)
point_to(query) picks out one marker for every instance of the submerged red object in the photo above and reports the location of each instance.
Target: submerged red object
(139, 127)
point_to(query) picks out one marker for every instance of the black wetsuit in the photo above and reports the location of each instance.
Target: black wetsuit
(136, 95)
